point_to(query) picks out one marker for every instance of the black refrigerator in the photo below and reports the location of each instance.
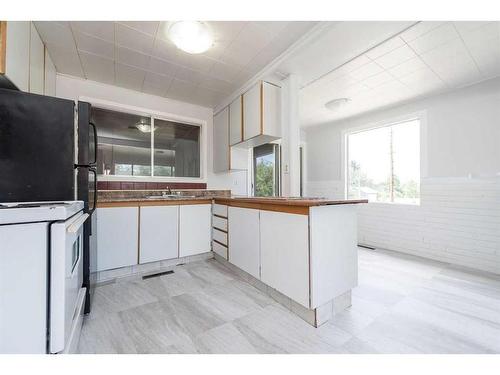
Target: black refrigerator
(48, 150)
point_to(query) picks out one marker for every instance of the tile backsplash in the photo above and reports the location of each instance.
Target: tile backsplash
(127, 185)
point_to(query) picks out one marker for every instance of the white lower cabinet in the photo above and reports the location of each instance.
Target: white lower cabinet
(158, 233)
(194, 229)
(244, 239)
(117, 237)
(284, 244)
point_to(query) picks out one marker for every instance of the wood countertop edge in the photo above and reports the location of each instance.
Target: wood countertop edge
(290, 202)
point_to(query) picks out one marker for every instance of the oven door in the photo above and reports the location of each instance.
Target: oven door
(66, 277)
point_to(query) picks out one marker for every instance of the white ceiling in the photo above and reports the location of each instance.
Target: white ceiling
(139, 56)
(426, 59)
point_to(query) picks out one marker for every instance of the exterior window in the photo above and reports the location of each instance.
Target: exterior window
(266, 170)
(134, 145)
(383, 164)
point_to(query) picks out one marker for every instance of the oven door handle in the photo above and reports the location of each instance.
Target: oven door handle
(75, 226)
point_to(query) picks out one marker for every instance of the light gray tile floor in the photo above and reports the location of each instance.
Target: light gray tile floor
(403, 304)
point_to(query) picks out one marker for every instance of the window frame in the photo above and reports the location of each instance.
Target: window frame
(421, 116)
(153, 114)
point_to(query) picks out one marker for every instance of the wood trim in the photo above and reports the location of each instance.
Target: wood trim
(229, 137)
(139, 235)
(299, 210)
(220, 216)
(220, 244)
(3, 46)
(242, 114)
(261, 107)
(153, 203)
(219, 229)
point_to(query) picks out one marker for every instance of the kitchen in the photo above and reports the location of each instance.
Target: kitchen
(249, 187)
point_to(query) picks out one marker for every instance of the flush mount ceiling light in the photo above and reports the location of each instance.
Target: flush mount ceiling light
(336, 104)
(144, 126)
(191, 36)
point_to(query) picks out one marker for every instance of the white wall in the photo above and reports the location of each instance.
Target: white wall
(458, 220)
(76, 88)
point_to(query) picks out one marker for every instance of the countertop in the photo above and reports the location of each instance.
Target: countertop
(288, 201)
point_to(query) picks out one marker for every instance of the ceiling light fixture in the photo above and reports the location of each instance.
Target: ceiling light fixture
(336, 104)
(144, 127)
(191, 36)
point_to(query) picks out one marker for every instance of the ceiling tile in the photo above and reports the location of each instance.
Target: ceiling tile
(238, 54)
(366, 71)
(227, 30)
(147, 27)
(156, 84)
(253, 36)
(452, 63)
(224, 71)
(395, 57)
(420, 29)
(197, 62)
(189, 75)
(133, 39)
(467, 26)
(55, 34)
(129, 77)
(434, 38)
(483, 44)
(162, 67)
(132, 58)
(273, 27)
(180, 90)
(386, 47)
(217, 85)
(378, 80)
(164, 50)
(100, 29)
(93, 45)
(66, 60)
(98, 68)
(407, 67)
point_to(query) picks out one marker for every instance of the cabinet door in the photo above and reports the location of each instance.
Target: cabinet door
(194, 229)
(284, 247)
(37, 56)
(244, 250)
(252, 112)
(117, 237)
(271, 109)
(17, 57)
(235, 121)
(221, 141)
(158, 233)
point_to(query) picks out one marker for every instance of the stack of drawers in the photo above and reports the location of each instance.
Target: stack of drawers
(219, 230)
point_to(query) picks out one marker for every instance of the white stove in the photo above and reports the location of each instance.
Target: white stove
(41, 276)
(30, 212)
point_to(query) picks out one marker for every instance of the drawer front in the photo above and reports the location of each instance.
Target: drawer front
(219, 223)
(219, 249)
(220, 210)
(219, 236)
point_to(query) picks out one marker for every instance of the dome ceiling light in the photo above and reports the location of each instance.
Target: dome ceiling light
(337, 104)
(191, 36)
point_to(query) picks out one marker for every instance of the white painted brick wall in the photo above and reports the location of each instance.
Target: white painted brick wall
(458, 221)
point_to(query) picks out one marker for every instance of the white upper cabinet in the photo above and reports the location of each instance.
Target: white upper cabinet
(17, 53)
(261, 114)
(236, 121)
(158, 228)
(36, 63)
(194, 229)
(226, 158)
(221, 141)
(252, 124)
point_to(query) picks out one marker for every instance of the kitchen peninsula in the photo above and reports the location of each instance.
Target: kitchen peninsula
(301, 251)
